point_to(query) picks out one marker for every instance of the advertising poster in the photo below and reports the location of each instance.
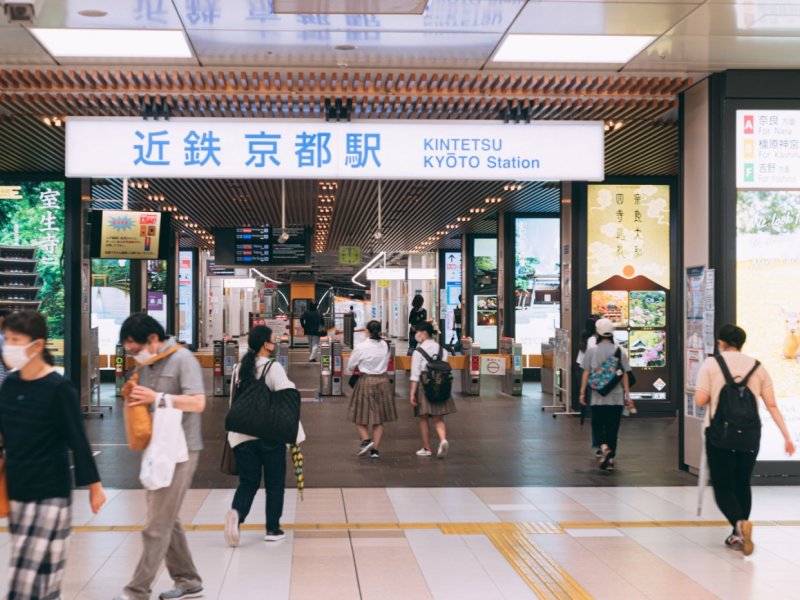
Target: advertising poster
(537, 282)
(484, 301)
(157, 298)
(452, 289)
(129, 234)
(186, 301)
(32, 220)
(628, 275)
(110, 300)
(767, 288)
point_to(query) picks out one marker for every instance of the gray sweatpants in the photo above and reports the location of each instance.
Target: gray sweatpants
(163, 536)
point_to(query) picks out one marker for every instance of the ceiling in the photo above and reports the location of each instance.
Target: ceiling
(249, 62)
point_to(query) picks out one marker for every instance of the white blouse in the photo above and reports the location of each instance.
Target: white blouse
(276, 380)
(370, 356)
(418, 362)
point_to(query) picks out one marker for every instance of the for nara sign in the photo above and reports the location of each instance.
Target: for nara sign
(302, 149)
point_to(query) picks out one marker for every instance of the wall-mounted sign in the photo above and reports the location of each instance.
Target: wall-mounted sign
(186, 303)
(350, 255)
(263, 148)
(628, 275)
(452, 290)
(768, 149)
(386, 274)
(420, 274)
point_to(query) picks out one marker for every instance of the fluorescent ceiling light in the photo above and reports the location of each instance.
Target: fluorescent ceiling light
(386, 274)
(606, 49)
(414, 274)
(114, 43)
(239, 283)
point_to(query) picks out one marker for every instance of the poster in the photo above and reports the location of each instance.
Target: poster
(484, 301)
(768, 309)
(32, 217)
(537, 281)
(186, 302)
(628, 275)
(130, 234)
(452, 290)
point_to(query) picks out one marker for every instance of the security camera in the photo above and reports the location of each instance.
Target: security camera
(378, 234)
(283, 238)
(22, 11)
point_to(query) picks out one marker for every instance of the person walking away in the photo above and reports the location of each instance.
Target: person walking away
(311, 322)
(423, 409)
(732, 469)
(606, 409)
(175, 381)
(40, 420)
(255, 456)
(588, 340)
(372, 401)
(417, 315)
(353, 325)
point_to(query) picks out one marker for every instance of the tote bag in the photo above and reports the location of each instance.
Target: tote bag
(166, 449)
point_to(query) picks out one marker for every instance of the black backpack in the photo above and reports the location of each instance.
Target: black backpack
(735, 424)
(437, 380)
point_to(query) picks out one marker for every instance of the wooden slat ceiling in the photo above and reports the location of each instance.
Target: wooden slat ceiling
(645, 144)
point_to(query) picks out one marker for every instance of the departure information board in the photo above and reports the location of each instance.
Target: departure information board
(252, 245)
(295, 250)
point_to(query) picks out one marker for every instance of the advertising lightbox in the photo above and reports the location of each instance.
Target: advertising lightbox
(484, 300)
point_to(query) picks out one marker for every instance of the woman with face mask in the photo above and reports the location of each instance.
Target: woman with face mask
(254, 455)
(40, 421)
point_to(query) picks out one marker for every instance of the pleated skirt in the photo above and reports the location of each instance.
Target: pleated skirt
(372, 401)
(439, 409)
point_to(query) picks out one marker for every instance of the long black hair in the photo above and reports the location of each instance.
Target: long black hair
(590, 329)
(31, 323)
(259, 335)
(418, 301)
(374, 329)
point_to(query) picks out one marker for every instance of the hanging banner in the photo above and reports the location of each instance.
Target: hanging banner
(301, 149)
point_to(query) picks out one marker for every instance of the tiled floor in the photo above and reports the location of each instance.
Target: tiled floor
(456, 543)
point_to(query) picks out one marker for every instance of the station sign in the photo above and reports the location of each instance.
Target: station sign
(314, 149)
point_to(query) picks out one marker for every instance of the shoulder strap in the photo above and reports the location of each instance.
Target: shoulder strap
(726, 372)
(750, 374)
(267, 367)
(158, 357)
(425, 355)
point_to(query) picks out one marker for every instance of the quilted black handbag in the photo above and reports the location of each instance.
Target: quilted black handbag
(262, 413)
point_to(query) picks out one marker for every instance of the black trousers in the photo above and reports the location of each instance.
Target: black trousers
(730, 475)
(605, 426)
(252, 458)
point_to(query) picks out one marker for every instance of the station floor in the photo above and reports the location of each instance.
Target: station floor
(445, 543)
(518, 510)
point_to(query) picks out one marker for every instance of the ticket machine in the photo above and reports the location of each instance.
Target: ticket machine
(512, 380)
(471, 375)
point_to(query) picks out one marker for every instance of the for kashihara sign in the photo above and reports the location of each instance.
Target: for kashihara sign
(265, 148)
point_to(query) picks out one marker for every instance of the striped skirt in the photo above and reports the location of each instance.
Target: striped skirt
(439, 409)
(40, 533)
(372, 401)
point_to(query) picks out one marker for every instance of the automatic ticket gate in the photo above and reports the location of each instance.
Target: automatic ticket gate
(119, 370)
(231, 357)
(282, 353)
(219, 359)
(512, 380)
(471, 375)
(331, 368)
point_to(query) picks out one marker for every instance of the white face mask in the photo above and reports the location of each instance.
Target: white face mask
(16, 357)
(143, 356)
(419, 338)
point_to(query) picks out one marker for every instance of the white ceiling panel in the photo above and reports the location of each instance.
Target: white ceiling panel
(121, 14)
(317, 49)
(17, 47)
(774, 20)
(597, 18)
(439, 15)
(700, 53)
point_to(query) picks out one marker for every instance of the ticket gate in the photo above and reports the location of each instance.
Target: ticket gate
(330, 383)
(282, 353)
(471, 375)
(119, 369)
(219, 359)
(512, 380)
(348, 327)
(390, 371)
(230, 358)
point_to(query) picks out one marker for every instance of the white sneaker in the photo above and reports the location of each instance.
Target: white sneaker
(232, 528)
(424, 452)
(275, 536)
(444, 446)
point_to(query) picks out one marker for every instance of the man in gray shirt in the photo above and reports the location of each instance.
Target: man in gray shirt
(606, 410)
(173, 381)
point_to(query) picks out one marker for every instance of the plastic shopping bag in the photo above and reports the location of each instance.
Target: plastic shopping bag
(166, 449)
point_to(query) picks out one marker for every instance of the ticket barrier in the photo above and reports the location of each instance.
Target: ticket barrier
(231, 357)
(348, 327)
(471, 375)
(512, 380)
(331, 368)
(219, 359)
(119, 370)
(282, 353)
(390, 370)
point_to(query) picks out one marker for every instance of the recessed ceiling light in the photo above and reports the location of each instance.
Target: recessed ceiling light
(114, 43)
(606, 49)
(90, 12)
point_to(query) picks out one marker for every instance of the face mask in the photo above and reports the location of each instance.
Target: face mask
(143, 356)
(419, 338)
(16, 357)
